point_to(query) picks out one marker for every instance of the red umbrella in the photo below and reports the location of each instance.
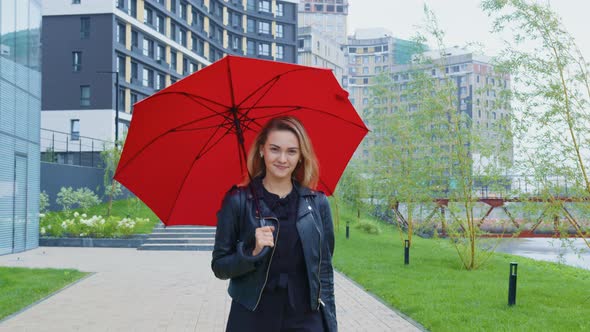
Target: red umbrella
(183, 149)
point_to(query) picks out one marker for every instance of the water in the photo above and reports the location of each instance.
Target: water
(575, 252)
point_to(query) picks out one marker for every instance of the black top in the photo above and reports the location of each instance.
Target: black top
(287, 269)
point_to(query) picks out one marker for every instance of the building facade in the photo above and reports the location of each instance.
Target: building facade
(368, 53)
(327, 16)
(316, 50)
(148, 44)
(20, 107)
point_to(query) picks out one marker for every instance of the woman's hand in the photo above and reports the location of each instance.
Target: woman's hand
(264, 238)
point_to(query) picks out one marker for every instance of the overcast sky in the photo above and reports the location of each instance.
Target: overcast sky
(462, 20)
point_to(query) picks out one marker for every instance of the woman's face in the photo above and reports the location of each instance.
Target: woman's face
(281, 154)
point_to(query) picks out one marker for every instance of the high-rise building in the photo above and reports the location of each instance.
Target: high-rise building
(317, 50)
(20, 107)
(327, 16)
(478, 96)
(148, 45)
(368, 53)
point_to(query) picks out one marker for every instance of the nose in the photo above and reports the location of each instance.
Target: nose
(283, 157)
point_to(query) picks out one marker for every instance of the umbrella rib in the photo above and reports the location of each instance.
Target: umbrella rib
(293, 108)
(197, 157)
(272, 80)
(192, 95)
(175, 129)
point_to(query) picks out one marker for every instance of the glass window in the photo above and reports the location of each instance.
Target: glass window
(148, 16)
(160, 26)
(236, 42)
(279, 32)
(264, 28)
(121, 33)
(134, 40)
(280, 9)
(264, 6)
(250, 49)
(160, 81)
(121, 65)
(122, 99)
(75, 129)
(264, 49)
(251, 25)
(133, 8)
(173, 31)
(134, 71)
(77, 61)
(85, 95)
(75, 2)
(161, 53)
(84, 27)
(280, 52)
(182, 10)
(182, 37)
(173, 6)
(173, 59)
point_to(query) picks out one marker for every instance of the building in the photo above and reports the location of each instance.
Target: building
(148, 45)
(20, 108)
(368, 53)
(478, 96)
(317, 50)
(327, 16)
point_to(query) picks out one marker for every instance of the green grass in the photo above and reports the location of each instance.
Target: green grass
(20, 287)
(437, 292)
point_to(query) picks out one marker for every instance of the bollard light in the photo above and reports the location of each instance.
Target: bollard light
(347, 229)
(512, 284)
(407, 252)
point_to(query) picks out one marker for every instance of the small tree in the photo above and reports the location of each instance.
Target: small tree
(110, 157)
(553, 99)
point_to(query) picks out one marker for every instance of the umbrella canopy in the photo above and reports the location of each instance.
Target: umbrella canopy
(183, 150)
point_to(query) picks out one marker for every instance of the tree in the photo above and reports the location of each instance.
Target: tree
(553, 97)
(111, 157)
(424, 145)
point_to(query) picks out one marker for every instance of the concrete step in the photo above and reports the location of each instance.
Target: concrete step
(182, 235)
(195, 247)
(179, 241)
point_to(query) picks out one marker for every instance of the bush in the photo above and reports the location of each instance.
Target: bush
(43, 202)
(80, 225)
(369, 227)
(84, 198)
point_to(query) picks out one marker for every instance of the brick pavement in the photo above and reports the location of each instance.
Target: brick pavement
(173, 291)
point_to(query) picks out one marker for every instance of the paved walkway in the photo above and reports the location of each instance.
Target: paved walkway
(172, 291)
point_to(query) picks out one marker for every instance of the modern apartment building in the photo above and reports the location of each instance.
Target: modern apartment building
(317, 50)
(148, 45)
(478, 96)
(327, 16)
(20, 108)
(368, 53)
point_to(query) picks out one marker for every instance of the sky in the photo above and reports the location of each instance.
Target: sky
(462, 20)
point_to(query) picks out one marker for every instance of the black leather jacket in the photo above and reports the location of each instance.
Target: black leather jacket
(236, 222)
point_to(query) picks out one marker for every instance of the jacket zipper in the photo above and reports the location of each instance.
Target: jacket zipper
(269, 262)
(320, 261)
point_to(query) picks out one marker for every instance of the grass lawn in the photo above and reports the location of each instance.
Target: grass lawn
(20, 287)
(437, 292)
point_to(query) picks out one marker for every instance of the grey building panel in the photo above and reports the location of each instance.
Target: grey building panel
(20, 109)
(61, 85)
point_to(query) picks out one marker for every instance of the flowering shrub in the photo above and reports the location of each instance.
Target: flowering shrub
(80, 225)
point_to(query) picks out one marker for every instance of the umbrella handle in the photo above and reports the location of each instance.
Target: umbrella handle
(250, 258)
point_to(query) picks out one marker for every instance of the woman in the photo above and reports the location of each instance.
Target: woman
(291, 286)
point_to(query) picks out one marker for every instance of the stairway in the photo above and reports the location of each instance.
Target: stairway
(199, 238)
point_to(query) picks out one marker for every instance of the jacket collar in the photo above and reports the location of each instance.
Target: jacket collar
(256, 185)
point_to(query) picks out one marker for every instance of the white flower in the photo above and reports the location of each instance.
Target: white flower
(41, 215)
(84, 215)
(42, 230)
(48, 226)
(76, 214)
(64, 225)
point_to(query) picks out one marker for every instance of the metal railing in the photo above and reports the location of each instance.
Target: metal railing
(72, 149)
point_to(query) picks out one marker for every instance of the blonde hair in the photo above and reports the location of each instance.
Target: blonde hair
(306, 172)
